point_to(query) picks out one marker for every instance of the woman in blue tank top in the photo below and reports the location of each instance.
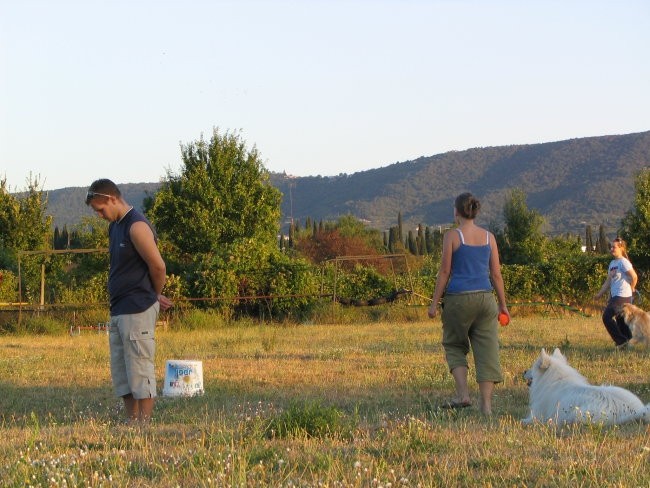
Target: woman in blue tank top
(469, 276)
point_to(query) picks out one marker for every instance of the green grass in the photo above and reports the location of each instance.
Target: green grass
(310, 405)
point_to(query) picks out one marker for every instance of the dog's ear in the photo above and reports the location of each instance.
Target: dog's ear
(557, 354)
(544, 360)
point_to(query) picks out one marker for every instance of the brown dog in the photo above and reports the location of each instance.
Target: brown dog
(639, 323)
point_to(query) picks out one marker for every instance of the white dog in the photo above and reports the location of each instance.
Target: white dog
(561, 395)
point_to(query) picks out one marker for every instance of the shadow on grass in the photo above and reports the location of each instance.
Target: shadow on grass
(56, 404)
(60, 405)
(419, 396)
(588, 350)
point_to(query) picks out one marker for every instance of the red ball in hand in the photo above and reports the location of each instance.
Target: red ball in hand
(504, 319)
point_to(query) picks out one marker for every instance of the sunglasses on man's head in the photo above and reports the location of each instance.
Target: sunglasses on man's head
(92, 194)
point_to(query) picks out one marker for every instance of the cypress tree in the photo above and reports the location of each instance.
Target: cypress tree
(57, 238)
(428, 240)
(603, 243)
(589, 243)
(412, 245)
(393, 238)
(400, 234)
(292, 232)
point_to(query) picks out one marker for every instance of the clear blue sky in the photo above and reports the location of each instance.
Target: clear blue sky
(93, 89)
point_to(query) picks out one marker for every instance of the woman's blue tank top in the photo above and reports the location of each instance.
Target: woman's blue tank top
(470, 267)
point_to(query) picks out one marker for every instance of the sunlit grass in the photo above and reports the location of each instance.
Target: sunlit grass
(309, 405)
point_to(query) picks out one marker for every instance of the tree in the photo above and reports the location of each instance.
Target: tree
(412, 245)
(602, 244)
(346, 237)
(428, 240)
(433, 240)
(589, 242)
(292, 235)
(219, 216)
(399, 227)
(24, 226)
(92, 233)
(8, 219)
(422, 247)
(222, 195)
(350, 226)
(635, 226)
(522, 236)
(394, 242)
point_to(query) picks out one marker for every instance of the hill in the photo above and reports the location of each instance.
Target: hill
(569, 182)
(67, 207)
(573, 182)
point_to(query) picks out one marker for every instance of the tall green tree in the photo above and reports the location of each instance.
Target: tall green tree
(221, 195)
(422, 247)
(400, 232)
(635, 226)
(411, 242)
(433, 239)
(24, 223)
(25, 226)
(589, 241)
(8, 225)
(602, 244)
(292, 235)
(219, 216)
(394, 242)
(523, 241)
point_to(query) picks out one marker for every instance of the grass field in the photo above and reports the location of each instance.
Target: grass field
(312, 405)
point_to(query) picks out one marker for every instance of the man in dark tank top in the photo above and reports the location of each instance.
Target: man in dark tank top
(136, 278)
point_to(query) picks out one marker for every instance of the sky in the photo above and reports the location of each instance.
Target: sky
(112, 89)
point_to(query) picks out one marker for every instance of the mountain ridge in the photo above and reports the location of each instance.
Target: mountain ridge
(571, 183)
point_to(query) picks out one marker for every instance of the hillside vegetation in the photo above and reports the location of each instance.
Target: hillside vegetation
(572, 182)
(569, 182)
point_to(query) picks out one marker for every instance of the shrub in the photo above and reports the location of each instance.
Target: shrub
(294, 283)
(93, 291)
(363, 284)
(310, 419)
(8, 286)
(195, 319)
(39, 325)
(573, 280)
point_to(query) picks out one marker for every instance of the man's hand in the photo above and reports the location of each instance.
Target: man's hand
(164, 302)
